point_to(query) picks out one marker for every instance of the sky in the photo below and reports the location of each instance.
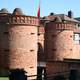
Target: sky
(30, 7)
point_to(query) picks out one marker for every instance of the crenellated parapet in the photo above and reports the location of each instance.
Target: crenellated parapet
(60, 26)
(24, 20)
(3, 19)
(17, 17)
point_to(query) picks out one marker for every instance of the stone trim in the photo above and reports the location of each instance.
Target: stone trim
(19, 19)
(23, 20)
(61, 26)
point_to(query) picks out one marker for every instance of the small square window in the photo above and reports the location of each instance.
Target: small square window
(6, 32)
(38, 34)
(6, 50)
(70, 36)
(54, 49)
(70, 49)
(32, 33)
(76, 38)
(53, 35)
(31, 50)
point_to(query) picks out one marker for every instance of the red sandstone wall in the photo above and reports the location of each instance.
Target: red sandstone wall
(4, 46)
(41, 55)
(23, 48)
(18, 48)
(59, 43)
(61, 68)
(18, 43)
(56, 68)
(76, 51)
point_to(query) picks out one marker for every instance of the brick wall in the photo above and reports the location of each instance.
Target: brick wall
(18, 43)
(59, 43)
(41, 55)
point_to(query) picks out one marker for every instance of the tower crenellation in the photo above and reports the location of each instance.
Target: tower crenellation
(17, 17)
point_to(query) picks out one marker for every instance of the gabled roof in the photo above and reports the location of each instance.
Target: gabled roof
(66, 18)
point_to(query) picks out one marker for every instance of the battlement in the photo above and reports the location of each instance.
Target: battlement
(17, 17)
(59, 26)
(24, 20)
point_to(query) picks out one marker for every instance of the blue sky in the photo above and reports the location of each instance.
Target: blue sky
(30, 7)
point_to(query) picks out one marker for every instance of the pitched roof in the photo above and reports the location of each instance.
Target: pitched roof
(63, 17)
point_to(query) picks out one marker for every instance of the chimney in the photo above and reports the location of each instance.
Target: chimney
(70, 14)
(51, 14)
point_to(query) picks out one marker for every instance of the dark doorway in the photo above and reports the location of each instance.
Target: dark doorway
(41, 73)
(17, 74)
(73, 74)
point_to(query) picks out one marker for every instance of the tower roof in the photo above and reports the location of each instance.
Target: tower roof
(58, 19)
(17, 11)
(4, 10)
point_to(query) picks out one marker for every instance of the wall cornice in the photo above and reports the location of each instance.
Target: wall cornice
(19, 19)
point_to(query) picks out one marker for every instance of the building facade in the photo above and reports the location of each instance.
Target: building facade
(49, 45)
(62, 43)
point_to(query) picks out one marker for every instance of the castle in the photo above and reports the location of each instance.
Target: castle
(47, 45)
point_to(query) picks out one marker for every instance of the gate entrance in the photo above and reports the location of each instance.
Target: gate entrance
(17, 74)
(73, 74)
(41, 73)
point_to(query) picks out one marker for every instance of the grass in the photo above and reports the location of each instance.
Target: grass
(4, 78)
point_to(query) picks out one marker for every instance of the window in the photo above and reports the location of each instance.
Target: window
(38, 34)
(79, 25)
(6, 50)
(54, 35)
(76, 25)
(32, 33)
(31, 50)
(54, 49)
(77, 38)
(6, 32)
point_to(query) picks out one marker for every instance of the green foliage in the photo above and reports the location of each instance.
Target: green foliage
(4, 78)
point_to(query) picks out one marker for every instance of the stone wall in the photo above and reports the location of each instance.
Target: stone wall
(60, 45)
(18, 42)
(59, 42)
(41, 32)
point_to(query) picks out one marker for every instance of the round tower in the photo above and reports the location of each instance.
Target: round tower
(19, 42)
(58, 40)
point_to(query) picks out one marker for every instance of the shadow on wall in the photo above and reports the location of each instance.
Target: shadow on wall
(4, 48)
(59, 77)
(41, 55)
